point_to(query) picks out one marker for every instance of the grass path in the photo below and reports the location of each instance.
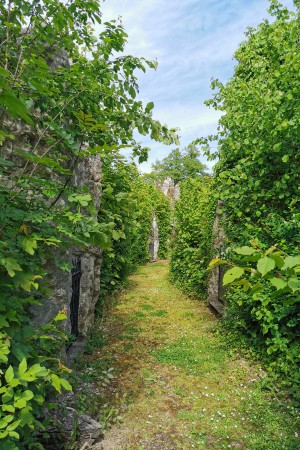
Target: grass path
(174, 384)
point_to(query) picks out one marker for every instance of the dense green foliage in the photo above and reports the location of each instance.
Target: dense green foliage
(192, 245)
(266, 301)
(58, 106)
(259, 140)
(179, 165)
(257, 177)
(129, 202)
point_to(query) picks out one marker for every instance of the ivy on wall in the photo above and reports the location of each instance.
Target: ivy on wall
(64, 96)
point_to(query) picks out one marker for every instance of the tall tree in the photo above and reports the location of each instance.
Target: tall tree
(180, 165)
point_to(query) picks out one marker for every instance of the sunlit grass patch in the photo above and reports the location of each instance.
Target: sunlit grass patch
(138, 315)
(147, 307)
(175, 383)
(196, 355)
(159, 313)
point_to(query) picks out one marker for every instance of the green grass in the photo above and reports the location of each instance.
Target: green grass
(192, 354)
(177, 384)
(147, 307)
(159, 313)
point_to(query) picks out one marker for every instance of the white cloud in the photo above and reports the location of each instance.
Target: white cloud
(193, 41)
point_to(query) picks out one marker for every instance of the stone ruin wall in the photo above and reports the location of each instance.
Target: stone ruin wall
(169, 189)
(215, 287)
(87, 173)
(172, 192)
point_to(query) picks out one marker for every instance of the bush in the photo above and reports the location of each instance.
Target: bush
(192, 244)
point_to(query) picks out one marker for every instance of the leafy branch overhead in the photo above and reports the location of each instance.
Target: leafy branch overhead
(66, 95)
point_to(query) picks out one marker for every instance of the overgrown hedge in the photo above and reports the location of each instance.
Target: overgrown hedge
(57, 107)
(129, 202)
(192, 243)
(257, 177)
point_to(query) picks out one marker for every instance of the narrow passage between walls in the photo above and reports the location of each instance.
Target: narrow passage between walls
(160, 377)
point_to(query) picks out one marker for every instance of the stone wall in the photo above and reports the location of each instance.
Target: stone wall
(154, 239)
(169, 189)
(87, 173)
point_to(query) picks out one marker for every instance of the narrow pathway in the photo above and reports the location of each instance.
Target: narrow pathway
(174, 385)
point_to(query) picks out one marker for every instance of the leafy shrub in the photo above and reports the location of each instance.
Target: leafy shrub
(264, 303)
(257, 178)
(128, 203)
(53, 100)
(31, 373)
(257, 174)
(192, 244)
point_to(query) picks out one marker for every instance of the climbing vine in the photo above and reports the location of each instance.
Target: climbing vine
(64, 97)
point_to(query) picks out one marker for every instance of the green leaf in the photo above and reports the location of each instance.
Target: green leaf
(3, 322)
(279, 283)
(22, 367)
(115, 235)
(56, 382)
(132, 92)
(34, 372)
(4, 72)
(7, 419)
(11, 265)
(82, 199)
(265, 265)
(65, 384)
(39, 399)
(279, 261)
(291, 261)
(149, 107)
(27, 395)
(14, 435)
(25, 280)
(15, 106)
(8, 395)
(20, 403)
(232, 274)
(294, 284)
(217, 262)
(29, 244)
(60, 317)
(13, 425)
(245, 250)
(14, 382)
(8, 408)
(9, 374)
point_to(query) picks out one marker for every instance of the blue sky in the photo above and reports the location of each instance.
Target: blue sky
(193, 41)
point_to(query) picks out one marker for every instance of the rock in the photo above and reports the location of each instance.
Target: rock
(154, 239)
(169, 189)
(70, 425)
